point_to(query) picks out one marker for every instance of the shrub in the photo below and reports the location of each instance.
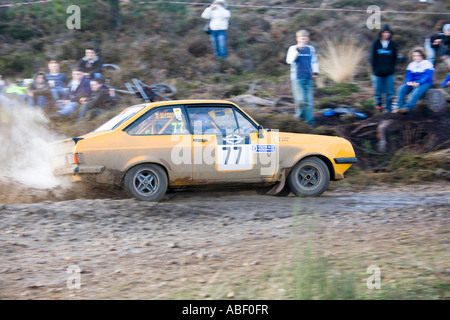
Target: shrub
(340, 58)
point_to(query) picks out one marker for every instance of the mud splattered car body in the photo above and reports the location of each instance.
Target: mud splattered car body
(151, 147)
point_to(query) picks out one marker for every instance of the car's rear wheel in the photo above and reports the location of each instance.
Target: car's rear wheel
(146, 182)
(309, 177)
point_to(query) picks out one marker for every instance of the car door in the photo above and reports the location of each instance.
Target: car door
(223, 150)
(162, 136)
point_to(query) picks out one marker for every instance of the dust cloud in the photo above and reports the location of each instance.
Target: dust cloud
(25, 149)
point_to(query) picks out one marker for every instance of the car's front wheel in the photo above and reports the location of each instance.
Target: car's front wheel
(309, 177)
(146, 182)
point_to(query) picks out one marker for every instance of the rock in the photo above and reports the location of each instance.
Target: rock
(230, 295)
(173, 245)
(439, 173)
(200, 256)
(436, 99)
(251, 101)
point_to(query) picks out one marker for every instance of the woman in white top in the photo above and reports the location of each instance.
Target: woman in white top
(219, 15)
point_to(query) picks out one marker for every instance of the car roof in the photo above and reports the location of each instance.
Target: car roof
(152, 105)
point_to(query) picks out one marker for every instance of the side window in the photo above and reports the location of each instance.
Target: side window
(163, 121)
(245, 126)
(212, 120)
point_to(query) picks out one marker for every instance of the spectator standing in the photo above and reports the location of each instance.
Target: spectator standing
(38, 91)
(383, 57)
(98, 102)
(418, 79)
(444, 47)
(432, 43)
(56, 80)
(91, 64)
(78, 88)
(304, 67)
(219, 17)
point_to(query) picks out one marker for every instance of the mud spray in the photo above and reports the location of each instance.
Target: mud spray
(26, 152)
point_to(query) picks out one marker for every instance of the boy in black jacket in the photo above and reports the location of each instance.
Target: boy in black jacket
(98, 102)
(383, 58)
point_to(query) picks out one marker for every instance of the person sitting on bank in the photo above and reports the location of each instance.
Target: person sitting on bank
(56, 80)
(91, 64)
(98, 102)
(38, 91)
(446, 82)
(418, 79)
(78, 88)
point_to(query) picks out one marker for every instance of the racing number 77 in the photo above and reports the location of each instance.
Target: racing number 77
(228, 149)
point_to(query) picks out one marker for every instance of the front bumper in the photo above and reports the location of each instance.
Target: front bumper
(346, 160)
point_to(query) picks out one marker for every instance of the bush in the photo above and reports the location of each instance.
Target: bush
(340, 58)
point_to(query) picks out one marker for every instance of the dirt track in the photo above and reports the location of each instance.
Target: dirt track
(184, 245)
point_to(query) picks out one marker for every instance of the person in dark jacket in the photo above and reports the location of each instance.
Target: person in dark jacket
(91, 64)
(38, 91)
(98, 102)
(383, 59)
(78, 88)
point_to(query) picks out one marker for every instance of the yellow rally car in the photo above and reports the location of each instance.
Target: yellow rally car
(150, 147)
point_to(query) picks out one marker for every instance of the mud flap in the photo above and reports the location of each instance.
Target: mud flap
(279, 186)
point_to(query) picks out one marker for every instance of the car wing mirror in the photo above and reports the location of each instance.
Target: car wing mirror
(260, 132)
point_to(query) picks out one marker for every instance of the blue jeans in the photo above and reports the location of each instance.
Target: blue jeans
(384, 85)
(219, 42)
(414, 95)
(39, 101)
(303, 92)
(66, 109)
(58, 92)
(431, 54)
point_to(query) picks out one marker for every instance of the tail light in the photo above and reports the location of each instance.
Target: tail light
(75, 158)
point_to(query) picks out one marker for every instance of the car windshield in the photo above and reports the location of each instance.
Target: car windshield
(120, 118)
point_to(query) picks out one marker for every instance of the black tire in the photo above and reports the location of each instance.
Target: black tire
(146, 182)
(164, 90)
(309, 177)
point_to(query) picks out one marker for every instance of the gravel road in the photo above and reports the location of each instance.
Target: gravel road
(131, 249)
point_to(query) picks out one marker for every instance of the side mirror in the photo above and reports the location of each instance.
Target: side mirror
(260, 132)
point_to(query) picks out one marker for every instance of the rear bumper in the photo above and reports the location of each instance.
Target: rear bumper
(77, 169)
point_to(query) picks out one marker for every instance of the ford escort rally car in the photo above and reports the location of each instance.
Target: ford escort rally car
(151, 147)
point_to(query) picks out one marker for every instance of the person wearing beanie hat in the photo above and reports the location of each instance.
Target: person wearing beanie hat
(383, 58)
(444, 47)
(218, 16)
(38, 91)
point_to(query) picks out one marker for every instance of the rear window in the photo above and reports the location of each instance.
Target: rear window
(120, 118)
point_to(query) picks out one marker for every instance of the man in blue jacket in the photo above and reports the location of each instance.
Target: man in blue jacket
(304, 67)
(383, 58)
(56, 80)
